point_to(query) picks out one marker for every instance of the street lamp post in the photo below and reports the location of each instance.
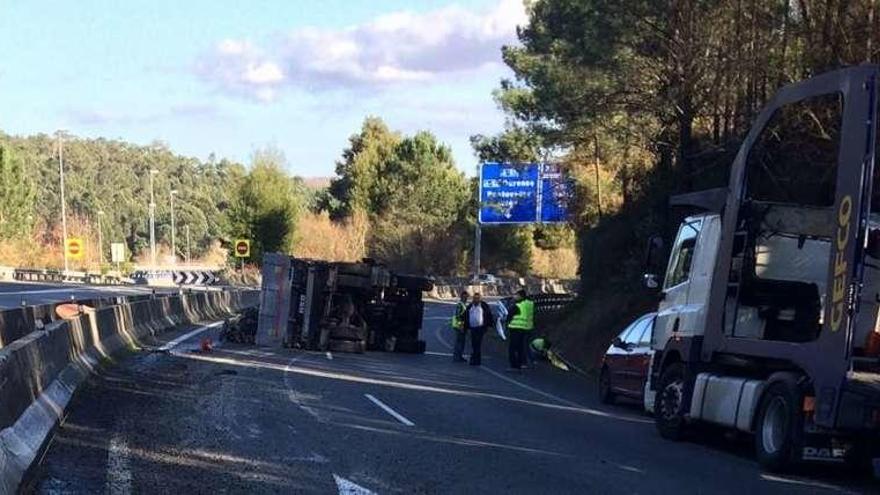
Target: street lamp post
(100, 239)
(173, 235)
(188, 252)
(60, 136)
(152, 220)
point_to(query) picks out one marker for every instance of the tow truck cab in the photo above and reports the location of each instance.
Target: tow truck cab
(768, 319)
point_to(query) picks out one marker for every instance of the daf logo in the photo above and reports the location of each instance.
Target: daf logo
(823, 453)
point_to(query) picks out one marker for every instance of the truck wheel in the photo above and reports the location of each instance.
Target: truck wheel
(779, 426)
(669, 404)
(606, 396)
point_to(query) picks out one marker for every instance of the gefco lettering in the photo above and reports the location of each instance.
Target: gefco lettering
(838, 301)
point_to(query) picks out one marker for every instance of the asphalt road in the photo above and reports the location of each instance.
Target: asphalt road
(242, 419)
(12, 294)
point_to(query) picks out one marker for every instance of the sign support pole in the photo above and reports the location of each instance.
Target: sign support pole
(477, 241)
(478, 234)
(539, 197)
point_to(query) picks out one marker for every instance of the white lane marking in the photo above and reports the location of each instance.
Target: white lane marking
(442, 340)
(347, 487)
(118, 467)
(443, 354)
(531, 389)
(174, 343)
(329, 356)
(290, 369)
(40, 291)
(390, 411)
(77, 290)
(547, 395)
(292, 394)
(804, 482)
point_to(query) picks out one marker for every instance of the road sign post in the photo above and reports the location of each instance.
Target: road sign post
(242, 250)
(117, 253)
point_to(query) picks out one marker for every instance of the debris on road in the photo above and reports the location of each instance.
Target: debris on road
(241, 328)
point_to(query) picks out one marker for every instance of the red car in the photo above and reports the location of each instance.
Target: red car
(626, 362)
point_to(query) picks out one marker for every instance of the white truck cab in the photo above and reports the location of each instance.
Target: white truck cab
(683, 305)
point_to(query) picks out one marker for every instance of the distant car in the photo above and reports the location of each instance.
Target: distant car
(486, 279)
(626, 363)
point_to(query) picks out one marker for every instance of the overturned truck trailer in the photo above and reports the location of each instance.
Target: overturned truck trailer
(339, 306)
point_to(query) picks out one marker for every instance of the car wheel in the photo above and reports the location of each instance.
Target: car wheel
(606, 396)
(779, 426)
(669, 404)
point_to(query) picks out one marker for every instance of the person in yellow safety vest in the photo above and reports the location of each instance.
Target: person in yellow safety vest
(459, 327)
(521, 323)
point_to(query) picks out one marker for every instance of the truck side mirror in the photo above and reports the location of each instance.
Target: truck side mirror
(650, 281)
(655, 244)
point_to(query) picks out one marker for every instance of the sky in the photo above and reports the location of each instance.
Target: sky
(230, 77)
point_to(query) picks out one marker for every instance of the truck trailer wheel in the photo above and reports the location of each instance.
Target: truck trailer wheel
(606, 396)
(779, 426)
(669, 404)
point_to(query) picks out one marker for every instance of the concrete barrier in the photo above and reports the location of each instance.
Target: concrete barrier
(40, 371)
(15, 324)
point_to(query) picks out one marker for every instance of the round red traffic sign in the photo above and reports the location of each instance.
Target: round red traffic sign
(242, 248)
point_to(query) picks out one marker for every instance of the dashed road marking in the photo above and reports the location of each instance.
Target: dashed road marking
(347, 487)
(390, 411)
(118, 466)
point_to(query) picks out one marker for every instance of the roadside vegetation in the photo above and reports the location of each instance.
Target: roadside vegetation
(643, 100)
(400, 199)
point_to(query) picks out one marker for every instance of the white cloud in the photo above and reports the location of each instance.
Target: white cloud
(263, 73)
(392, 49)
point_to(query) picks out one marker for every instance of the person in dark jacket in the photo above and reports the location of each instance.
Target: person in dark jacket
(478, 318)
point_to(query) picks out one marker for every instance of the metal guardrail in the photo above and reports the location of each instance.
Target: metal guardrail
(44, 275)
(547, 303)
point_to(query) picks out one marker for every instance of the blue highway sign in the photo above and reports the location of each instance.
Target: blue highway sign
(508, 193)
(524, 193)
(557, 192)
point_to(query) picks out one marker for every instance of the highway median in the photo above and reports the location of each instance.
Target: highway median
(41, 370)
